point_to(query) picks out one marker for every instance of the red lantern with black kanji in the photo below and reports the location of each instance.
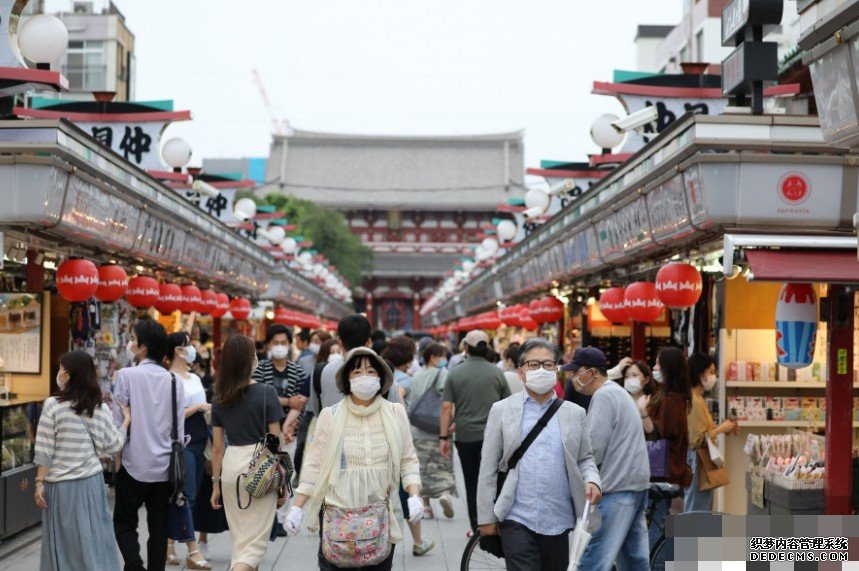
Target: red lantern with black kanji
(240, 308)
(210, 301)
(642, 303)
(112, 283)
(169, 298)
(142, 292)
(222, 306)
(77, 279)
(679, 285)
(613, 306)
(192, 299)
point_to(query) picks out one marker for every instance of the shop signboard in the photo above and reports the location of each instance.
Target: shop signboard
(695, 199)
(91, 212)
(834, 77)
(668, 110)
(21, 333)
(624, 231)
(666, 206)
(137, 142)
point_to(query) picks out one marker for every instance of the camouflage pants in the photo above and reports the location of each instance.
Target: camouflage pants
(437, 477)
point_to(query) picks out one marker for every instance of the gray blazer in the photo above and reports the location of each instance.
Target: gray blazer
(502, 438)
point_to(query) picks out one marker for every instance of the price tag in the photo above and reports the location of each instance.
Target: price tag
(842, 361)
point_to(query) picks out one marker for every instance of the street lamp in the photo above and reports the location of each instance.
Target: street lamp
(43, 40)
(536, 203)
(176, 153)
(604, 134)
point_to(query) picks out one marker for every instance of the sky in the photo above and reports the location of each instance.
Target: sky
(386, 67)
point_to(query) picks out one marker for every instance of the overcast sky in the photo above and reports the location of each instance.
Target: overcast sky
(387, 66)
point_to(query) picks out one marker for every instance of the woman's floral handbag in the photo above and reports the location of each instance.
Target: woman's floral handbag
(356, 537)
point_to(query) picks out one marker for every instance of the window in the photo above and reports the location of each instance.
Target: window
(85, 66)
(699, 46)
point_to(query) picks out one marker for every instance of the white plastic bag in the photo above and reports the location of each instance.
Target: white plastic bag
(715, 454)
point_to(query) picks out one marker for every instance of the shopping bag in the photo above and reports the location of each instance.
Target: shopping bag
(657, 453)
(709, 475)
(715, 454)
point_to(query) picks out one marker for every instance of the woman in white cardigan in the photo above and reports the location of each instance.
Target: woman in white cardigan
(361, 450)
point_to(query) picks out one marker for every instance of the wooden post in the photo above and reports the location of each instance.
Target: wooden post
(639, 341)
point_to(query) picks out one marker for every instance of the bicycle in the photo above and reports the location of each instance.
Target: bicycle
(476, 559)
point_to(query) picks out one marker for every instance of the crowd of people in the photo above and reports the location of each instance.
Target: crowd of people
(370, 423)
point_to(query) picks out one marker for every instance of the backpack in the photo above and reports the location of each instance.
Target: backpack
(426, 412)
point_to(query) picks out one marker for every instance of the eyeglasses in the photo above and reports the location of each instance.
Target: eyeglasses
(534, 365)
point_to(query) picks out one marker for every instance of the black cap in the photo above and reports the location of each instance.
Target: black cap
(586, 357)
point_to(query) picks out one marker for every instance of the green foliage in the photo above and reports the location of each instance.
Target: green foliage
(329, 232)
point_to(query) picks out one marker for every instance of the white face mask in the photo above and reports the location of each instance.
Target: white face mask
(540, 381)
(314, 348)
(279, 352)
(580, 385)
(709, 382)
(632, 384)
(657, 376)
(365, 387)
(129, 351)
(61, 384)
(335, 358)
(190, 354)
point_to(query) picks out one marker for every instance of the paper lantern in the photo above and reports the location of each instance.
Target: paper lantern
(281, 315)
(112, 283)
(240, 308)
(796, 325)
(527, 322)
(679, 285)
(77, 280)
(222, 306)
(142, 291)
(490, 320)
(169, 298)
(613, 306)
(510, 315)
(641, 302)
(209, 301)
(192, 299)
(547, 310)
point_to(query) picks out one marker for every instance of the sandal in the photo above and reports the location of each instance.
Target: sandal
(171, 556)
(190, 563)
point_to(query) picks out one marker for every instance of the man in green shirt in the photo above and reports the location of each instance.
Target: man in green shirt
(471, 390)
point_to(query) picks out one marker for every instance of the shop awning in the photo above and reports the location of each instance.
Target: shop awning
(819, 266)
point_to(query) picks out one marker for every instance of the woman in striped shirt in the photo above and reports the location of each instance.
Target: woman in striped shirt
(74, 429)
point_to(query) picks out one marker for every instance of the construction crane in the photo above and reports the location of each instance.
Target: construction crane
(279, 127)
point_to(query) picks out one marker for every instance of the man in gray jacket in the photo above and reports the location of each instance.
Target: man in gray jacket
(546, 491)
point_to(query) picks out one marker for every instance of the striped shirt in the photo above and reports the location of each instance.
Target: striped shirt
(69, 444)
(286, 382)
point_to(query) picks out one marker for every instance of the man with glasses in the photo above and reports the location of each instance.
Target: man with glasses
(621, 456)
(542, 497)
(470, 391)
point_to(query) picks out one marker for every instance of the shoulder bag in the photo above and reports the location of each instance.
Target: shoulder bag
(492, 543)
(269, 469)
(176, 470)
(426, 412)
(359, 537)
(710, 475)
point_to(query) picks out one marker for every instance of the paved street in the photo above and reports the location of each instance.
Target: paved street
(300, 552)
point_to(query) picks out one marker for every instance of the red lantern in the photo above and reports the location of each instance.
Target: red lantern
(679, 285)
(509, 315)
(210, 301)
(169, 299)
(281, 315)
(240, 308)
(143, 291)
(491, 320)
(613, 306)
(547, 310)
(77, 280)
(527, 322)
(222, 306)
(192, 299)
(641, 302)
(112, 283)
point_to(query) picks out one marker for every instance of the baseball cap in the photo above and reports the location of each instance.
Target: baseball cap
(475, 336)
(586, 357)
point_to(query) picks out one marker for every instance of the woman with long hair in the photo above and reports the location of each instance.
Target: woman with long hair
(245, 411)
(75, 429)
(637, 379)
(702, 377)
(362, 451)
(179, 360)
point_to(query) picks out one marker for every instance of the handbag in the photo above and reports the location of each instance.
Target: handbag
(710, 476)
(359, 537)
(426, 412)
(492, 543)
(657, 454)
(180, 524)
(176, 469)
(269, 469)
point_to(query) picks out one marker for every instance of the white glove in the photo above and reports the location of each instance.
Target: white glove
(416, 509)
(294, 519)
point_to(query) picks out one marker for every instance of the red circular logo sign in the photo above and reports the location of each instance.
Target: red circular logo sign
(794, 188)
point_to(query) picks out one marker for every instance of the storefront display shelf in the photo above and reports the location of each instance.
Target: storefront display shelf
(783, 424)
(778, 385)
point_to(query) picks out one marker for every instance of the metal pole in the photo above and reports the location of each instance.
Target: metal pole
(839, 403)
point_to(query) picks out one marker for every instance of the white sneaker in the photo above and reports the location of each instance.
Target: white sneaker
(447, 505)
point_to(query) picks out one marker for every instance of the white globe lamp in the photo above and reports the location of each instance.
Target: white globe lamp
(506, 230)
(43, 40)
(603, 134)
(275, 234)
(537, 201)
(245, 209)
(305, 258)
(468, 266)
(289, 245)
(490, 245)
(480, 254)
(176, 153)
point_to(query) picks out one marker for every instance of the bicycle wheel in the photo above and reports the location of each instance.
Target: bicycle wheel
(657, 555)
(475, 559)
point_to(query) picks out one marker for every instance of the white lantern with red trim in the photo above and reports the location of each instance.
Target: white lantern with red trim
(642, 303)
(77, 279)
(112, 283)
(678, 285)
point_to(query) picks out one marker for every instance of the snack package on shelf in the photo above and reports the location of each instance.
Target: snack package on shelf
(818, 372)
(737, 407)
(756, 372)
(821, 406)
(792, 408)
(803, 375)
(755, 409)
(785, 374)
(767, 372)
(733, 373)
(774, 408)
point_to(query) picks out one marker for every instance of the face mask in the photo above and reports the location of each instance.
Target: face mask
(709, 382)
(314, 348)
(540, 381)
(61, 383)
(130, 352)
(632, 384)
(336, 358)
(657, 376)
(190, 354)
(365, 387)
(442, 364)
(578, 384)
(279, 352)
